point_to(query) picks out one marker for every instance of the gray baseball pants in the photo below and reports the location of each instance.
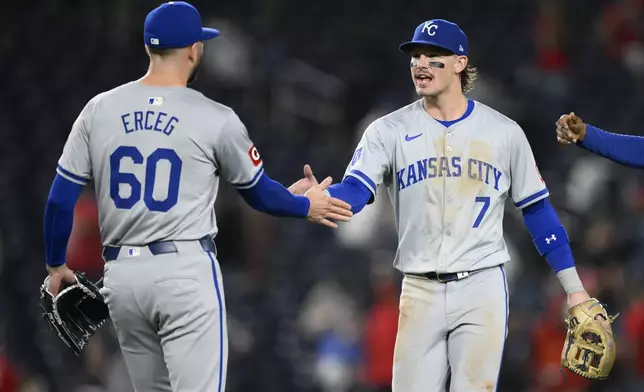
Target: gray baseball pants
(169, 314)
(457, 327)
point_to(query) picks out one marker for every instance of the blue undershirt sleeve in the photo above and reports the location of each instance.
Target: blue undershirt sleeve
(352, 191)
(273, 198)
(548, 234)
(627, 150)
(59, 219)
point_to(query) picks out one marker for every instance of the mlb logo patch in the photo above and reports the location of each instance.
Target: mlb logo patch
(154, 41)
(133, 252)
(155, 101)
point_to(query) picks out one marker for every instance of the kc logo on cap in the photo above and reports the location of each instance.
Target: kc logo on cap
(429, 28)
(439, 33)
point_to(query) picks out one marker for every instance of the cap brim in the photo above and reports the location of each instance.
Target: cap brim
(408, 46)
(209, 33)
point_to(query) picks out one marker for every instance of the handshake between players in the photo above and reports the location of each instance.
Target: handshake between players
(322, 207)
(570, 129)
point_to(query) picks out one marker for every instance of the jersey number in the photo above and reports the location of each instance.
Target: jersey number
(486, 204)
(117, 178)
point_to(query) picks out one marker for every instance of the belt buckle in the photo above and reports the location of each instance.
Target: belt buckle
(459, 276)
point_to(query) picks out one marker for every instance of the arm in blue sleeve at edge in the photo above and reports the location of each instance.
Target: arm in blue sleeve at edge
(352, 191)
(59, 219)
(548, 234)
(627, 150)
(273, 198)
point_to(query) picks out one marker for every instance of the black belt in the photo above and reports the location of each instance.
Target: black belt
(443, 278)
(111, 253)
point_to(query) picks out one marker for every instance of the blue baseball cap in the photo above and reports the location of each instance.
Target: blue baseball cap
(175, 24)
(441, 33)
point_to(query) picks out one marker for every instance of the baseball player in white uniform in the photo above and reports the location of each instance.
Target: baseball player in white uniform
(448, 164)
(155, 151)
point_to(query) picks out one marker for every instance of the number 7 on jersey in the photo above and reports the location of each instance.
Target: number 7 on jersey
(486, 204)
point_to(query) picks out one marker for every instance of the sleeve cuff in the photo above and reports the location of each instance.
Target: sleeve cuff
(363, 178)
(591, 134)
(251, 183)
(71, 176)
(535, 197)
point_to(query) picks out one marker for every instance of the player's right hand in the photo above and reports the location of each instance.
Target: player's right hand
(304, 184)
(570, 129)
(323, 207)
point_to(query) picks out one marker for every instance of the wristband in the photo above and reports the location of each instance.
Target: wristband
(569, 279)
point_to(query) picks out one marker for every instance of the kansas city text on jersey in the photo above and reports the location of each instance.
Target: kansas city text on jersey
(438, 167)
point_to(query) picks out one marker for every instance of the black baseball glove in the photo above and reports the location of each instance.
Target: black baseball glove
(76, 313)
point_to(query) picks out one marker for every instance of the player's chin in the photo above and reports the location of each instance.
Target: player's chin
(425, 91)
(425, 87)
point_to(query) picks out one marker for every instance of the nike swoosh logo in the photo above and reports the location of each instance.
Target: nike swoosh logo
(410, 138)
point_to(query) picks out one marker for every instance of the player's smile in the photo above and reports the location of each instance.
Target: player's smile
(423, 79)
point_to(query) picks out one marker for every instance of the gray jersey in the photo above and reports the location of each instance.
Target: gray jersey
(448, 185)
(155, 155)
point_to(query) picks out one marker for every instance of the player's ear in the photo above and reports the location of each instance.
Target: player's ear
(195, 52)
(460, 64)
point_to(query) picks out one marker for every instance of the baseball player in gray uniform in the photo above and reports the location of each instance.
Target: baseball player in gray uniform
(449, 164)
(155, 151)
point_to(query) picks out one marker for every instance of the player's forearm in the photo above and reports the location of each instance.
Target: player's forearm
(273, 198)
(353, 192)
(59, 218)
(624, 149)
(551, 240)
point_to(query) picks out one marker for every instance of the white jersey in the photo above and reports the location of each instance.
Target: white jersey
(155, 155)
(448, 185)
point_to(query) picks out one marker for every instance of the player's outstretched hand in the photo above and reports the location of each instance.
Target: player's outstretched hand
(570, 129)
(304, 184)
(58, 276)
(323, 207)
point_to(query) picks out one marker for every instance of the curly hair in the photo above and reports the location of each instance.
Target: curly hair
(468, 78)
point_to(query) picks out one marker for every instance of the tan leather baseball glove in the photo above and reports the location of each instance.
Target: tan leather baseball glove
(589, 349)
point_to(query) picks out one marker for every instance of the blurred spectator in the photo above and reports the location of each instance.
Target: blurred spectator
(84, 246)
(34, 384)
(547, 342)
(381, 326)
(331, 319)
(632, 346)
(622, 35)
(550, 37)
(9, 378)
(552, 60)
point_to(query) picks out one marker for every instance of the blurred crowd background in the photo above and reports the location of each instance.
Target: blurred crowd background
(312, 309)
